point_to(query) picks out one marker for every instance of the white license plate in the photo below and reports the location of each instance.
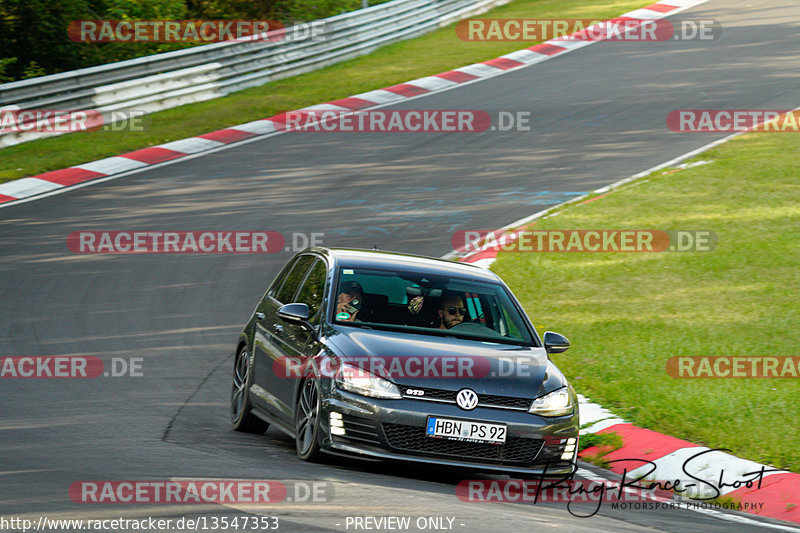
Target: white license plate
(466, 430)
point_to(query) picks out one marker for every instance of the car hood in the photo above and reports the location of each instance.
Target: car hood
(448, 363)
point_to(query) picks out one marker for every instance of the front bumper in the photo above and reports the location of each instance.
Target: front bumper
(395, 429)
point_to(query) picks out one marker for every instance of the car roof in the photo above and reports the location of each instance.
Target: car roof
(353, 257)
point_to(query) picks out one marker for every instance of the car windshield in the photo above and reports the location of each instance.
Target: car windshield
(420, 302)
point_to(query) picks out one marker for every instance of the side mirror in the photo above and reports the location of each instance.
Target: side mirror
(555, 342)
(296, 313)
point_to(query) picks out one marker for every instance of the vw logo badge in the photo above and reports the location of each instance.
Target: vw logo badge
(467, 399)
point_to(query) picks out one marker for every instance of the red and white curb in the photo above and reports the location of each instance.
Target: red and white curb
(54, 182)
(701, 471)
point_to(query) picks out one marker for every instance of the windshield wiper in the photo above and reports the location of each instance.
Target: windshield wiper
(498, 340)
(436, 332)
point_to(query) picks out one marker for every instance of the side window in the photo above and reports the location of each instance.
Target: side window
(286, 293)
(313, 289)
(278, 282)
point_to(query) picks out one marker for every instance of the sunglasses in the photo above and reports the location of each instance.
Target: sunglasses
(460, 310)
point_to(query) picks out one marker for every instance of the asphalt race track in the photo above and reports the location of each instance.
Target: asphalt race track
(599, 115)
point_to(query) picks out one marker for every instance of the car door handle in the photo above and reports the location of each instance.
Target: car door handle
(260, 316)
(278, 328)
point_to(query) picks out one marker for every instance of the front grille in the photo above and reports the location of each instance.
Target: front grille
(413, 440)
(507, 402)
(434, 394)
(484, 400)
(360, 429)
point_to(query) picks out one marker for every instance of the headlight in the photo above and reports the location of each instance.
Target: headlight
(355, 379)
(557, 403)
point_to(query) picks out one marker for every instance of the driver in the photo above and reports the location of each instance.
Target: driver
(451, 311)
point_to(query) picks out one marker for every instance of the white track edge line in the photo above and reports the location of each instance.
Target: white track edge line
(522, 221)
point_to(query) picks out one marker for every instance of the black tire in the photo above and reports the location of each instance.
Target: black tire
(241, 417)
(306, 421)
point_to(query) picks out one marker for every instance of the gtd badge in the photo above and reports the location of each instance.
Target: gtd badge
(467, 399)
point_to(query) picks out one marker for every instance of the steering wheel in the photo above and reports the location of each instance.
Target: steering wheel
(468, 327)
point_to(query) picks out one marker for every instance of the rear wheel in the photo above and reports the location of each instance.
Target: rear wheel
(241, 417)
(306, 416)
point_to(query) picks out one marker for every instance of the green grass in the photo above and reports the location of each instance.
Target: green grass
(605, 442)
(430, 54)
(627, 313)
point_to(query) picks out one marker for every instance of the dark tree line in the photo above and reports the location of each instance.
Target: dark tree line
(34, 39)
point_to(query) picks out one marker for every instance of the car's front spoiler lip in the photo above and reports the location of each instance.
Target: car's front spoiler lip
(407, 411)
(538, 471)
(517, 421)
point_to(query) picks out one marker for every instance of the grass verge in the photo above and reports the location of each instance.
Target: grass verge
(605, 444)
(627, 313)
(435, 52)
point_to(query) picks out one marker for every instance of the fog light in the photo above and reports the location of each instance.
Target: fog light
(337, 425)
(569, 449)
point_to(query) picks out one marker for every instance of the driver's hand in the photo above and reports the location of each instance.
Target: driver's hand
(342, 307)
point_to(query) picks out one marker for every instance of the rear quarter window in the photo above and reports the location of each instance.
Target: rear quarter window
(289, 285)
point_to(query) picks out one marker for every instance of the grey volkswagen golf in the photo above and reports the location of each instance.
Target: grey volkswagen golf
(394, 356)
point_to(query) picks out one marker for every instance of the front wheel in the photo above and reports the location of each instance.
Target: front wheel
(241, 417)
(306, 417)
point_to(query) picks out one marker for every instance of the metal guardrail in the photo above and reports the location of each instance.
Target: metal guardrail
(162, 81)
